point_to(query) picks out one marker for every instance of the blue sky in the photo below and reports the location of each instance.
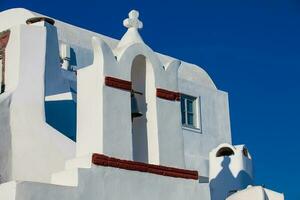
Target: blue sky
(251, 49)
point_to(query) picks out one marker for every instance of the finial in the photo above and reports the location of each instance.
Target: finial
(133, 20)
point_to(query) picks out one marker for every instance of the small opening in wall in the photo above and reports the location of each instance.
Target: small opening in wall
(245, 152)
(225, 151)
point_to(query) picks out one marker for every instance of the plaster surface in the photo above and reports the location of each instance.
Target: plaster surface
(103, 182)
(256, 192)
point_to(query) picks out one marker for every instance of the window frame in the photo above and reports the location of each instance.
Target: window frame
(196, 115)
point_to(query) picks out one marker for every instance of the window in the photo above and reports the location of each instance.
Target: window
(189, 111)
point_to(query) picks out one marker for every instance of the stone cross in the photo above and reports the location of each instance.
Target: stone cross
(133, 20)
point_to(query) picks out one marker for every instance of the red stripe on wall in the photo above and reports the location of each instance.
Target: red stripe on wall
(168, 95)
(102, 160)
(118, 83)
(4, 37)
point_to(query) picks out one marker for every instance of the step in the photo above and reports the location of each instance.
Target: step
(68, 177)
(79, 162)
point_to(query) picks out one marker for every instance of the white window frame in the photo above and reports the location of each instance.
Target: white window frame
(197, 126)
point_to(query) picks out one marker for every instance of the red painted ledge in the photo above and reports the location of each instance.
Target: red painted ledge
(102, 160)
(118, 83)
(4, 37)
(168, 95)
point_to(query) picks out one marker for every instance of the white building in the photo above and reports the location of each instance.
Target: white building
(68, 129)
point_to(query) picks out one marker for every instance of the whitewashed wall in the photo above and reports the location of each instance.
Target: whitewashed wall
(228, 174)
(257, 193)
(111, 183)
(213, 119)
(165, 143)
(36, 150)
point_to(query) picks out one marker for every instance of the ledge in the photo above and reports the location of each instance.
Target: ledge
(102, 160)
(118, 83)
(168, 95)
(193, 129)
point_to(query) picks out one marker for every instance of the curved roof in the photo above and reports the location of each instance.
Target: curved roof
(190, 72)
(195, 74)
(16, 16)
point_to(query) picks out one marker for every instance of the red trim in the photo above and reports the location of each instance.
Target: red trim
(4, 37)
(168, 95)
(118, 83)
(102, 160)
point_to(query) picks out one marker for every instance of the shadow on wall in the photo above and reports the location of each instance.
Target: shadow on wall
(226, 183)
(61, 115)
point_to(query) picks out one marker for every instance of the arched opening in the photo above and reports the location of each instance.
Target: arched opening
(144, 128)
(225, 151)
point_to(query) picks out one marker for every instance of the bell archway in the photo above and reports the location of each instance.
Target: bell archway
(144, 127)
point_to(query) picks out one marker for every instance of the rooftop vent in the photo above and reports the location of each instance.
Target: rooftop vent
(225, 151)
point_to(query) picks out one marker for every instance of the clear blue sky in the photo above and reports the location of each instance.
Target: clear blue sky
(251, 49)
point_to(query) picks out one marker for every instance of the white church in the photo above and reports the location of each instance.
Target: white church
(87, 117)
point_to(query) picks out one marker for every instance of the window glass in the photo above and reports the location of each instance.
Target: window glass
(189, 105)
(182, 105)
(190, 118)
(183, 117)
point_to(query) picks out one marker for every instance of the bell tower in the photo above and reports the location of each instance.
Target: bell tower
(128, 102)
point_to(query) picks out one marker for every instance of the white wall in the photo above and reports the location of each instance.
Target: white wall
(213, 116)
(115, 184)
(37, 150)
(229, 173)
(257, 193)
(166, 144)
(5, 141)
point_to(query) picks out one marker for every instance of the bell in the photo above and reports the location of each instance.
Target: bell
(134, 107)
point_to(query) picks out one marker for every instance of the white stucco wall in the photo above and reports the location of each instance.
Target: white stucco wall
(114, 184)
(192, 80)
(5, 141)
(13, 17)
(213, 112)
(35, 150)
(165, 142)
(38, 150)
(257, 193)
(235, 170)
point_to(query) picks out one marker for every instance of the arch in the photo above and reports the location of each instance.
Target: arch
(129, 53)
(144, 128)
(224, 151)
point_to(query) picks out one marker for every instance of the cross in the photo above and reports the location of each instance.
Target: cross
(133, 20)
